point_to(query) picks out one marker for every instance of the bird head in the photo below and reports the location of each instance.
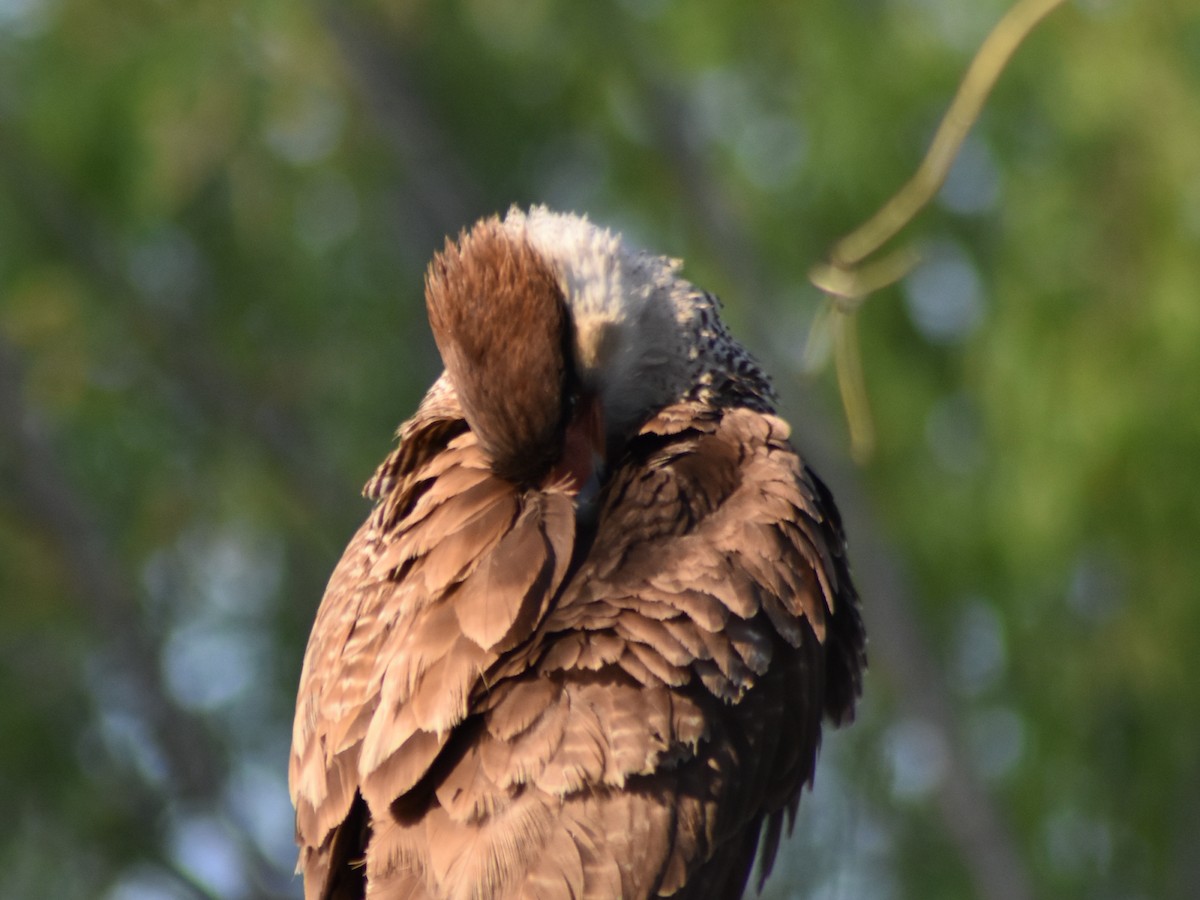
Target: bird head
(561, 340)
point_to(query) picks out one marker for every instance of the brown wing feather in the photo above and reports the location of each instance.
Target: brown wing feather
(625, 733)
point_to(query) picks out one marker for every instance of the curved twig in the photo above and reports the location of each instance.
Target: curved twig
(845, 280)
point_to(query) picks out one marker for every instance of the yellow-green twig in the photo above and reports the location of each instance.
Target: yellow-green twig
(845, 279)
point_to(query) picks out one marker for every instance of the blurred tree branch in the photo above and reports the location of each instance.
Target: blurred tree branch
(847, 280)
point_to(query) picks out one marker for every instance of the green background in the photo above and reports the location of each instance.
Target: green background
(214, 220)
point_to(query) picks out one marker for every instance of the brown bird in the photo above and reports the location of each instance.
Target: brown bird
(584, 642)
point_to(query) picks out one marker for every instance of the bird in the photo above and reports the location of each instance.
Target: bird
(585, 641)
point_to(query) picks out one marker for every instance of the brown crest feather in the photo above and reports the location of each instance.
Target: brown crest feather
(499, 321)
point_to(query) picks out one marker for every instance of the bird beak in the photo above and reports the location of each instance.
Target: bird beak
(581, 468)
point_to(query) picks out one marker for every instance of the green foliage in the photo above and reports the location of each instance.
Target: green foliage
(214, 220)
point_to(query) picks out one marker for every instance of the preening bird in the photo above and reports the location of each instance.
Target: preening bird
(583, 645)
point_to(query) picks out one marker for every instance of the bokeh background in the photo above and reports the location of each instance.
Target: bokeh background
(214, 220)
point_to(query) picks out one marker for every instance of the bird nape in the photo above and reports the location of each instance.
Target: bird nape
(583, 645)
